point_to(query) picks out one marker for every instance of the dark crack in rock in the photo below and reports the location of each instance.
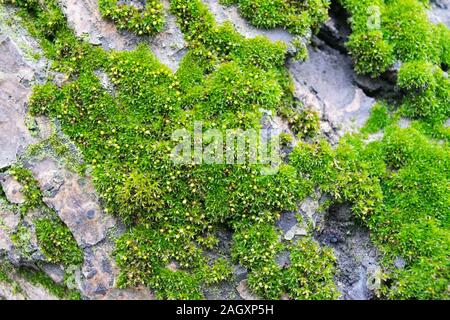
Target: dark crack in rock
(356, 255)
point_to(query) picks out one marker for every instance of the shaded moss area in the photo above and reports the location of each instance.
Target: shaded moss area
(58, 290)
(14, 276)
(384, 32)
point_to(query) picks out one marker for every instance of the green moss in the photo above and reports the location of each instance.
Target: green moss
(176, 285)
(428, 91)
(31, 191)
(378, 120)
(311, 273)
(221, 270)
(399, 30)
(172, 211)
(304, 123)
(407, 28)
(22, 241)
(57, 242)
(398, 188)
(4, 277)
(372, 55)
(255, 246)
(146, 20)
(297, 17)
(267, 281)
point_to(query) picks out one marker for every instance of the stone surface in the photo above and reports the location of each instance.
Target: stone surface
(12, 189)
(75, 201)
(440, 12)
(18, 70)
(244, 291)
(296, 230)
(14, 135)
(309, 207)
(55, 272)
(84, 17)
(231, 14)
(357, 257)
(326, 82)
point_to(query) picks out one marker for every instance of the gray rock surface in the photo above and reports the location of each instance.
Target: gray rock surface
(12, 189)
(18, 71)
(15, 75)
(440, 12)
(244, 291)
(84, 17)
(357, 257)
(326, 83)
(231, 14)
(74, 199)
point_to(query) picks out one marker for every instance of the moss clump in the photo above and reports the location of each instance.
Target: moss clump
(257, 247)
(302, 18)
(399, 190)
(298, 17)
(386, 32)
(311, 273)
(336, 172)
(396, 30)
(146, 256)
(378, 120)
(221, 270)
(427, 91)
(145, 19)
(304, 123)
(22, 240)
(30, 190)
(372, 55)
(57, 242)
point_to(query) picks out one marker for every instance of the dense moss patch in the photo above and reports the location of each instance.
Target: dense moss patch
(147, 18)
(399, 189)
(57, 242)
(298, 17)
(388, 31)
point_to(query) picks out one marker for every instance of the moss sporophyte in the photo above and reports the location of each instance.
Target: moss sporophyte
(173, 210)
